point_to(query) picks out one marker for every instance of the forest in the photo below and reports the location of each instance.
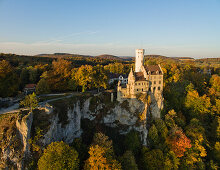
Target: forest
(186, 137)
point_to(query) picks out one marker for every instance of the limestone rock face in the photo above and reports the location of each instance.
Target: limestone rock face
(17, 147)
(156, 105)
(67, 132)
(24, 128)
(124, 115)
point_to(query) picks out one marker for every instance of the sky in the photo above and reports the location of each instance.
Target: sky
(175, 28)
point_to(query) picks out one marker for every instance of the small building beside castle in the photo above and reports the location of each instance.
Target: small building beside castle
(144, 79)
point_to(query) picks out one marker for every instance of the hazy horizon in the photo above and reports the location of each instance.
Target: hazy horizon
(169, 28)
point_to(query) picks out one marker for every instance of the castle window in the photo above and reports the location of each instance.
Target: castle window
(137, 89)
(138, 83)
(158, 88)
(159, 82)
(142, 89)
(154, 82)
(135, 83)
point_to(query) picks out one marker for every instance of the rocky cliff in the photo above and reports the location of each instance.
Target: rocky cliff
(62, 120)
(15, 132)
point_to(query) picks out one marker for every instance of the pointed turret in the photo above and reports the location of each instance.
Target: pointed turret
(131, 74)
(131, 77)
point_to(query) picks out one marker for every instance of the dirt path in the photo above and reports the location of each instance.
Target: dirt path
(15, 107)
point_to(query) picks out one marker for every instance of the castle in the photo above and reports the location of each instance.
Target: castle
(145, 79)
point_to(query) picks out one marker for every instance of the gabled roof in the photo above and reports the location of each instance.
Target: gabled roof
(30, 86)
(139, 76)
(153, 69)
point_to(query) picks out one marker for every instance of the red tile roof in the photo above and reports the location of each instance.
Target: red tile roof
(30, 86)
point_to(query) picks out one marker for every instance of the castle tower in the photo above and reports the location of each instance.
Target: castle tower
(139, 60)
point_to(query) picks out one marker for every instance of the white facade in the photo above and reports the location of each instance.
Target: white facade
(122, 78)
(139, 59)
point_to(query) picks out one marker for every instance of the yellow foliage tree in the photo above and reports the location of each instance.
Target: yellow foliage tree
(96, 160)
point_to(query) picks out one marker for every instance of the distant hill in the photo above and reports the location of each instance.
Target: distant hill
(61, 55)
(67, 55)
(127, 58)
(109, 57)
(209, 60)
(155, 56)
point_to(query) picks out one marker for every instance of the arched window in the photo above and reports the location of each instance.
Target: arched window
(158, 88)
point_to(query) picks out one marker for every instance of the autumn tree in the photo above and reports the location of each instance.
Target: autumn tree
(99, 77)
(118, 68)
(101, 154)
(83, 77)
(196, 104)
(178, 142)
(8, 79)
(171, 161)
(217, 151)
(215, 82)
(169, 118)
(42, 87)
(58, 78)
(58, 155)
(97, 159)
(62, 67)
(30, 101)
(196, 133)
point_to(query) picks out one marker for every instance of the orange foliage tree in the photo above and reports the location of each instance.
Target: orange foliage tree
(97, 159)
(178, 142)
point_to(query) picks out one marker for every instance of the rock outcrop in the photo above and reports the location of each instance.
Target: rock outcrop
(65, 123)
(15, 140)
(67, 132)
(156, 104)
(24, 129)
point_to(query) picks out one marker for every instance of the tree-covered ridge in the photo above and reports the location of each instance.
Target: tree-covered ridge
(186, 137)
